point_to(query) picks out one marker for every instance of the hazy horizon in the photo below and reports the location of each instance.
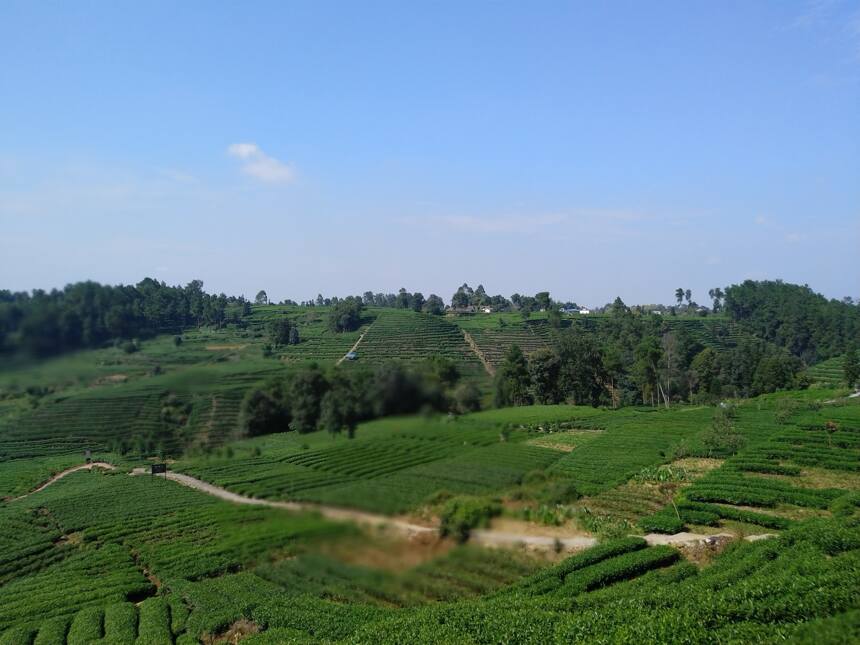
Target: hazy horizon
(592, 151)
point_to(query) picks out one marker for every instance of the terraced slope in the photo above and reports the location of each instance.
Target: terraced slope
(829, 372)
(409, 336)
(494, 339)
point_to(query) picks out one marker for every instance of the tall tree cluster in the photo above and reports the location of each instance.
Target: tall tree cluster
(635, 358)
(336, 401)
(805, 323)
(89, 314)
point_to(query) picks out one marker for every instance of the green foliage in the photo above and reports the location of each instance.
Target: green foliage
(462, 514)
(513, 382)
(345, 315)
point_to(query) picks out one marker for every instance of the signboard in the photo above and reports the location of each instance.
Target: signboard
(88, 455)
(158, 468)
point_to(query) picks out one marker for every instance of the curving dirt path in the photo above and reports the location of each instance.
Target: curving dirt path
(484, 537)
(330, 512)
(67, 471)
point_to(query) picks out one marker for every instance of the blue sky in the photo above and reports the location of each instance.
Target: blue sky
(592, 149)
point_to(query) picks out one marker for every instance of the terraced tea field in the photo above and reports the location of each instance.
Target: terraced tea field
(408, 336)
(829, 373)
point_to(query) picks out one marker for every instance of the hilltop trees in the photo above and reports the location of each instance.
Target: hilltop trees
(434, 305)
(716, 294)
(88, 314)
(345, 315)
(792, 316)
(283, 332)
(261, 298)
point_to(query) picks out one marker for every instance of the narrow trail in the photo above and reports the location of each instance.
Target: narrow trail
(354, 347)
(477, 350)
(67, 471)
(484, 537)
(330, 512)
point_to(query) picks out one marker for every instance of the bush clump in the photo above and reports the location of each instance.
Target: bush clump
(462, 514)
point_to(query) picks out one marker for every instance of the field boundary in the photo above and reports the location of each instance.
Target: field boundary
(477, 351)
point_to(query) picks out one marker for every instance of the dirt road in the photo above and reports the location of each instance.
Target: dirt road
(67, 471)
(484, 537)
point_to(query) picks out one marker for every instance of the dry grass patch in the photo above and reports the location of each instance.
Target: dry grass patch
(385, 552)
(697, 466)
(225, 347)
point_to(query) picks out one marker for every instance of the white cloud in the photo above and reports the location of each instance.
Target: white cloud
(794, 237)
(761, 220)
(259, 165)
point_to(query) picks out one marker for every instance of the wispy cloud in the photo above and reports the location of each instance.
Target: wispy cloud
(259, 165)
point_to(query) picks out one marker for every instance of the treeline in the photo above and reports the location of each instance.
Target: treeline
(633, 359)
(88, 314)
(792, 316)
(338, 400)
(403, 299)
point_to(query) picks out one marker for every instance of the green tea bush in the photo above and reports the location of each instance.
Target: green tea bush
(664, 521)
(120, 623)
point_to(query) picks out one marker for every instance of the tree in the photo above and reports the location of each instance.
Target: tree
(416, 303)
(716, 294)
(462, 297)
(345, 315)
(261, 298)
(265, 410)
(721, 439)
(688, 296)
(306, 393)
(294, 335)
(542, 300)
(279, 331)
(679, 295)
(512, 383)
(553, 317)
(706, 372)
(544, 371)
(340, 408)
(645, 371)
(582, 373)
(467, 398)
(434, 305)
(851, 367)
(397, 390)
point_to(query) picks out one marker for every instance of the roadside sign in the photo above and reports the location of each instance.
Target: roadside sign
(155, 469)
(88, 455)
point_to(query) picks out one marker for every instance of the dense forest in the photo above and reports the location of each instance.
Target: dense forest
(807, 324)
(88, 314)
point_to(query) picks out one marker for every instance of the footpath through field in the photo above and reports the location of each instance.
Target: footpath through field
(485, 537)
(67, 471)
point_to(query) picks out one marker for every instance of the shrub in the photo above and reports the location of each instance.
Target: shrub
(462, 514)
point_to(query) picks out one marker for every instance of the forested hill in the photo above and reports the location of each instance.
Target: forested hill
(804, 322)
(88, 314)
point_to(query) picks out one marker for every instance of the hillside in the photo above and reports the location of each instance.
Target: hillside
(528, 524)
